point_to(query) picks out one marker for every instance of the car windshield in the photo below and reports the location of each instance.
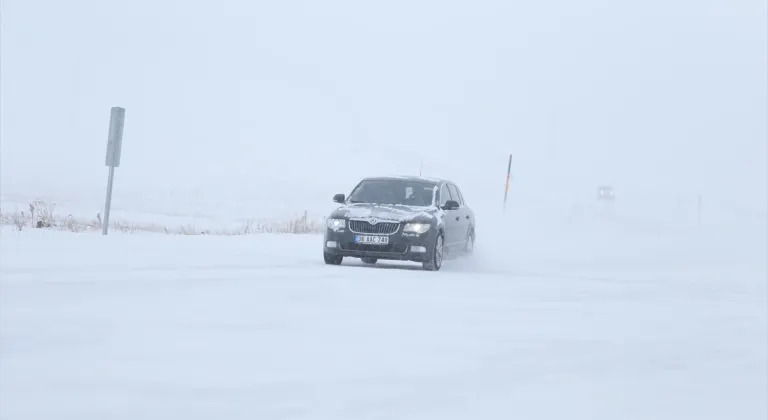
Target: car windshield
(393, 191)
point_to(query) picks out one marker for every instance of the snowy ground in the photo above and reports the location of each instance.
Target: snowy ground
(591, 322)
(172, 212)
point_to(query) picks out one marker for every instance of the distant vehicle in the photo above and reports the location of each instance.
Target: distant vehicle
(400, 218)
(605, 192)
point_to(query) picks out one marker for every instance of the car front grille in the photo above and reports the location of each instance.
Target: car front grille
(381, 228)
(389, 248)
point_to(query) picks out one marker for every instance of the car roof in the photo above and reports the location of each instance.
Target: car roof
(412, 178)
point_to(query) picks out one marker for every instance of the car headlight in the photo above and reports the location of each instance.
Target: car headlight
(416, 227)
(335, 224)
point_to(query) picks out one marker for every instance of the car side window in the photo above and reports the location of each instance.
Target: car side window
(454, 193)
(461, 196)
(444, 195)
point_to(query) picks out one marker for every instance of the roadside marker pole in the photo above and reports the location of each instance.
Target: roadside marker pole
(506, 187)
(114, 145)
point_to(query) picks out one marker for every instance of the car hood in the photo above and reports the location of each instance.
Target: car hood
(392, 212)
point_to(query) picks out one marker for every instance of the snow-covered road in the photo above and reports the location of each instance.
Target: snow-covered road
(257, 327)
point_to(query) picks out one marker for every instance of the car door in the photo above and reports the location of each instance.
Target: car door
(451, 218)
(461, 217)
(469, 215)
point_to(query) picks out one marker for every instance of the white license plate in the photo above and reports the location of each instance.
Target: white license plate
(371, 240)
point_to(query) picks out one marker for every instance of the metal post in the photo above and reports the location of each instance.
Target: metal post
(506, 187)
(108, 205)
(112, 160)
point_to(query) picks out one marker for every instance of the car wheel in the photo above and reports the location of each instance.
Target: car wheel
(369, 260)
(436, 256)
(332, 259)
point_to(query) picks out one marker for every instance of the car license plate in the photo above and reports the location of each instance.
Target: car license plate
(371, 240)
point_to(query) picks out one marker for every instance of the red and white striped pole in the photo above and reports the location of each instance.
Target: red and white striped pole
(506, 187)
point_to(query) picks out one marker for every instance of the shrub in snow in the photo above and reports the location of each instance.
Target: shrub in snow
(42, 215)
(19, 220)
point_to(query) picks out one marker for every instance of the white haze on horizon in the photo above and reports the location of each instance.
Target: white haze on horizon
(295, 100)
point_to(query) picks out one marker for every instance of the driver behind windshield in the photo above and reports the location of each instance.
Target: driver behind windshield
(420, 197)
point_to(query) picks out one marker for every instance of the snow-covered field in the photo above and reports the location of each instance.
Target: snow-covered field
(247, 117)
(591, 321)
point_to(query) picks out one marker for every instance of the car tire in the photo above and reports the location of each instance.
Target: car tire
(369, 260)
(435, 256)
(332, 259)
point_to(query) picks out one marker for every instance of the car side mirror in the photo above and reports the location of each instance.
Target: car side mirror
(339, 198)
(451, 205)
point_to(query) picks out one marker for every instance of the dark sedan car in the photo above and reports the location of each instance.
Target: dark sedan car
(400, 218)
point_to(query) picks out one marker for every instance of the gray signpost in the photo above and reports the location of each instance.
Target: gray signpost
(506, 187)
(114, 144)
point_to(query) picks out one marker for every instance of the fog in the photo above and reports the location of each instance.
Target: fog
(275, 106)
(649, 306)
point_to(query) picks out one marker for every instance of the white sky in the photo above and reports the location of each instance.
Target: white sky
(659, 96)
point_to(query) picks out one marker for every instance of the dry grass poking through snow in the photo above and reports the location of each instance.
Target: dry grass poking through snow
(41, 215)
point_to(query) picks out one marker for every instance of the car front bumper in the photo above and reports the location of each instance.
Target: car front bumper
(401, 246)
